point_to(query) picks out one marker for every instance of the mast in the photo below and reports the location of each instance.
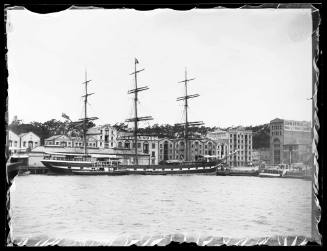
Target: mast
(85, 120)
(187, 123)
(136, 118)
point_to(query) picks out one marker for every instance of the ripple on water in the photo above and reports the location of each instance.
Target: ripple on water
(165, 204)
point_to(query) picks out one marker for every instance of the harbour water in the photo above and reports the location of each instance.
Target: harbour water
(102, 208)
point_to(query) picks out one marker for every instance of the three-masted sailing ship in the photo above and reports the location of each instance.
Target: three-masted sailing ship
(92, 164)
(83, 163)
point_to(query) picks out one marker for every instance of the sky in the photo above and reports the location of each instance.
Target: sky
(250, 65)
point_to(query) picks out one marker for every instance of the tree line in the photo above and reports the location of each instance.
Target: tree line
(56, 127)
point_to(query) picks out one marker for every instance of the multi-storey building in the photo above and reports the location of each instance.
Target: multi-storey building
(107, 136)
(145, 145)
(170, 149)
(240, 140)
(221, 138)
(290, 141)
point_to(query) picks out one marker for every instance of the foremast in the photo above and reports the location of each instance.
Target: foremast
(186, 124)
(84, 121)
(136, 119)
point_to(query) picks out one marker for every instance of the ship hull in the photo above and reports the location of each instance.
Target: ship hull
(208, 169)
(85, 168)
(226, 173)
(270, 175)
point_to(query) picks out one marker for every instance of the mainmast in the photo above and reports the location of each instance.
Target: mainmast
(136, 118)
(187, 123)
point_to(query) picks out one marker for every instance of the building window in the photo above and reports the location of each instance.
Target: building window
(160, 145)
(153, 145)
(138, 145)
(57, 143)
(153, 154)
(24, 143)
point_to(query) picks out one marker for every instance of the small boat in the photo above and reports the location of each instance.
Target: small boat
(272, 173)
(237, 171)
(298, 174)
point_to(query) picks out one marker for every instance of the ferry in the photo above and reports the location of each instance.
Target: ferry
(81, 164)
(298, 171)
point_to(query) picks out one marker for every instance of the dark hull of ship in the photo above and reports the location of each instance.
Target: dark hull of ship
(80, 168)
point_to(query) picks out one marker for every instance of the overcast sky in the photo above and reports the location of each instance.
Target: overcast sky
(250, 66)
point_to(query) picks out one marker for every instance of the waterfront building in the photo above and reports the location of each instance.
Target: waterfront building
(71, 142)
(22, 141)
(290, 141)
(107, 136)
(146, 144)
(29, 140)
(167, 150)
(174, 149)
(14, 141)
(240, 140)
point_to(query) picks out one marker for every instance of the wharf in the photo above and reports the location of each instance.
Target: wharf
(33, 169)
